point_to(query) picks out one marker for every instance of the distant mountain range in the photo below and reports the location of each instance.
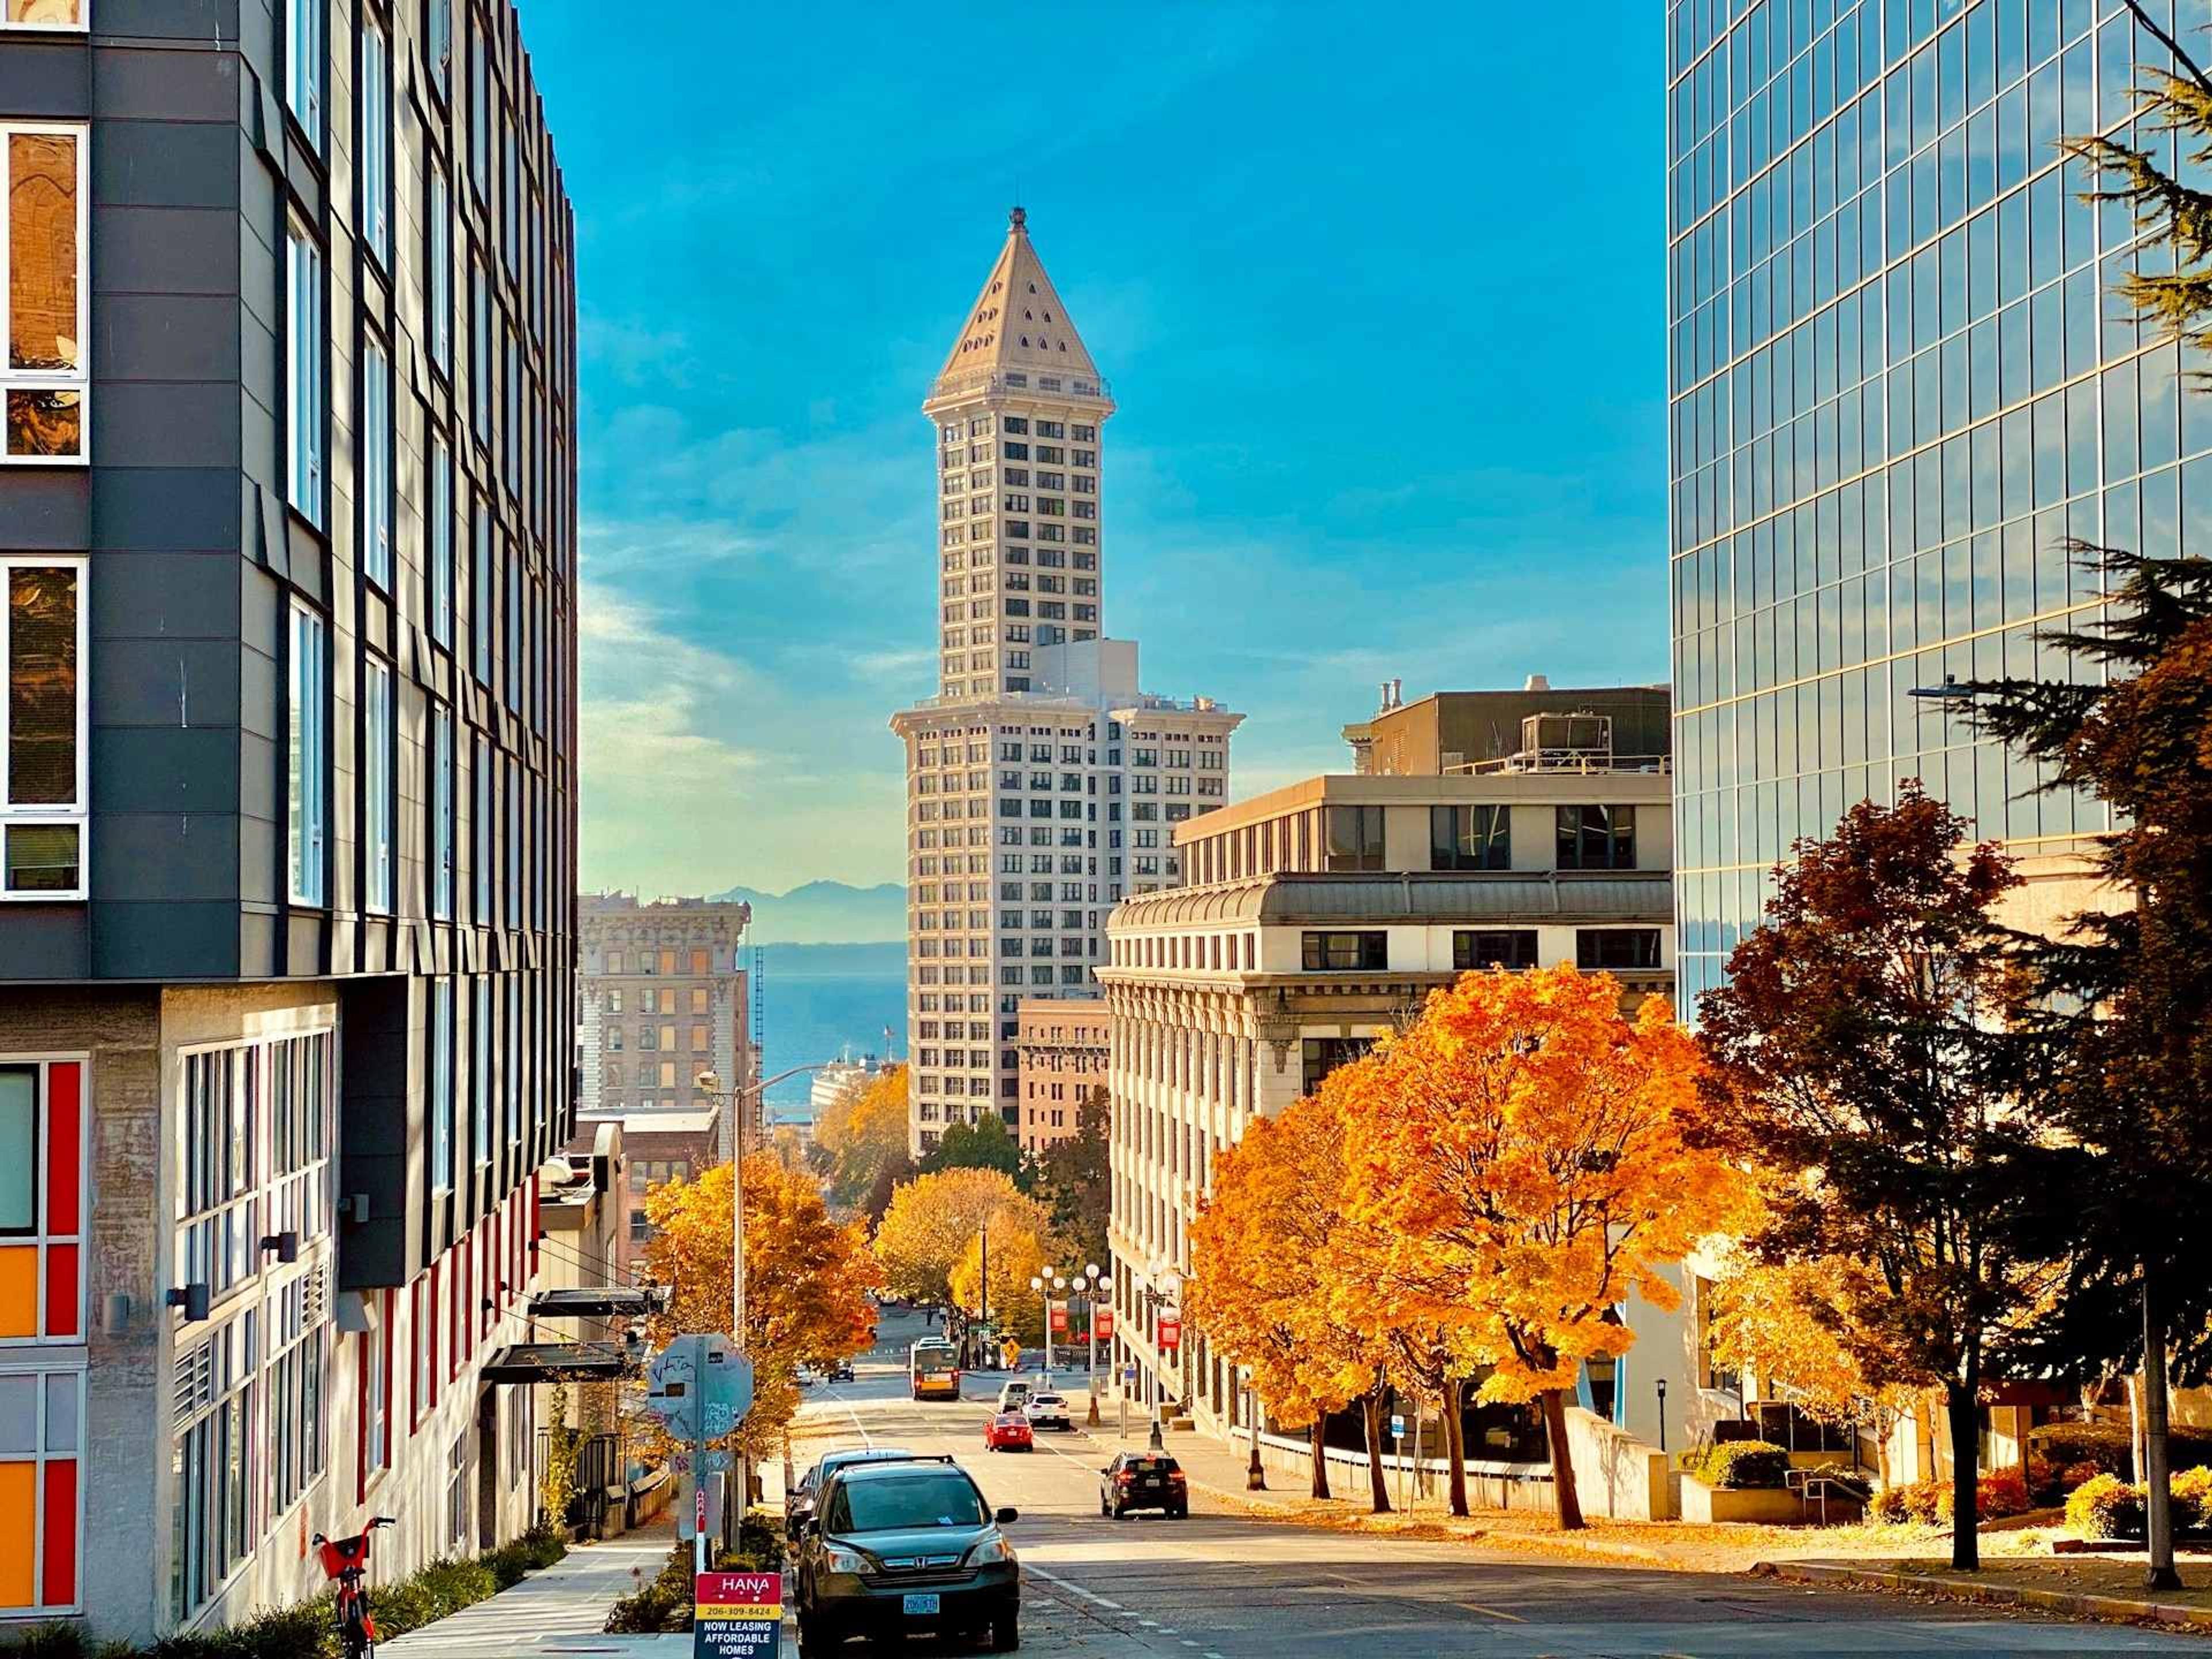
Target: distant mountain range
(824, 913)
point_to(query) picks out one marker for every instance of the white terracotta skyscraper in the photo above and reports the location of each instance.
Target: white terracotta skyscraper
(1020, 411)
(1042, 784)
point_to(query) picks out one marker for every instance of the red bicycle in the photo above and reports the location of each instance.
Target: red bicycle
(345, 1562)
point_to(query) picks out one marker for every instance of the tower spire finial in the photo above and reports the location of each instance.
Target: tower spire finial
(1019, 219)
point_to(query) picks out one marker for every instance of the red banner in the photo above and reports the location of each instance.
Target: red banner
(1059, 1321)
(1102, 1323)
(1171, 1330)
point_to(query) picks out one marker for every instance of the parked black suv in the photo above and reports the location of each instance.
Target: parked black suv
(1143, 1480)
(799, 1503)
(892, 1547)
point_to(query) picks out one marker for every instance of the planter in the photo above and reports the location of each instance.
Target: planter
(1703, 1503)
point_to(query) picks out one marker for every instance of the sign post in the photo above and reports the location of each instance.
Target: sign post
(737, 1615)
(700, 1388)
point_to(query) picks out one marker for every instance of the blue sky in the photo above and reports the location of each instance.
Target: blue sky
(1383, 314)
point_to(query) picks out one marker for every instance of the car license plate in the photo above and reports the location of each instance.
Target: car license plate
(921, 1604)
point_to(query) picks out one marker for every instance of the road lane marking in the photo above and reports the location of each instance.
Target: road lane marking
(1494, 1613)
(1073, 1589)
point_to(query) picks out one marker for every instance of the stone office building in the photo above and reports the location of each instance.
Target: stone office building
(661, 998)
(287, 831)
(1317, 917)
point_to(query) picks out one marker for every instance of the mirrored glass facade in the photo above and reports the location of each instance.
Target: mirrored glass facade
(1898, 381)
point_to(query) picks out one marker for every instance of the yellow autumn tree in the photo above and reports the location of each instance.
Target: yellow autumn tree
(860, 1139)
(933, 1219)
(807, 1278)
(1789, 1324)
(1537, 1159)
(1022, 1245)
(1256, 1291)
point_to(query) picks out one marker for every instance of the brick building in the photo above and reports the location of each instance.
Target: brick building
(287, 799)
(1061, 1048)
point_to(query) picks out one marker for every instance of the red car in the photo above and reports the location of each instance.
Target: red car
(1006, 1431)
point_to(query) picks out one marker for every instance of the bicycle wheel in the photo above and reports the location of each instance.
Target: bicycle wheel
(353, 1633)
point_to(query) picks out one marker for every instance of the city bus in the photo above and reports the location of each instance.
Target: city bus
(933, 1369)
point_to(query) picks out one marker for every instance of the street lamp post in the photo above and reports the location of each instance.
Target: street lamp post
(1089, 1280)
(1255, 1478)
(1161, 1289)
(1047, 1284)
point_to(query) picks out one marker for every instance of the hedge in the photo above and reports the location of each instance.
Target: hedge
(1741, 1464)
(2108, 1507)
(2111, 1446)
(665, 1605)
(308, 1631)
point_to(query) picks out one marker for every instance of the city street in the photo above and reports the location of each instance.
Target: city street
(1227, 1585)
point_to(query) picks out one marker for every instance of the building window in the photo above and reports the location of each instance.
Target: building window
(303, 45)
(482, 826)
(442, 541)
(41, 1453)
(439, 295)
(1338, 952)
(480, 1067)
(43, 769)
(441, 1085)
(304, 371)
(480, 577)
(42, 1202)
(1470, 838)
(1502, 947)
(439, 47)
(479, 106)
(376, 141)
(442, 812)
(306, 752)
(1355, 838)
(44, 15)
(44, 295)
(376, 784)
(1616, 947)
(1319, 1056)
(1597, 837)
(376, 463)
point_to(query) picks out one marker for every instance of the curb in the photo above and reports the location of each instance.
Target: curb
(1968, 1590)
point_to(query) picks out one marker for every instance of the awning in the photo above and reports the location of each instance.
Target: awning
(599, 1301)
(560, 1362)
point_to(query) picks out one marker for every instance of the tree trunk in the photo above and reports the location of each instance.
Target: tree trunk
(1371, 1417)
(1563, 1462)
(1965, 1475)
(1454, 1416)
(1318, 1441)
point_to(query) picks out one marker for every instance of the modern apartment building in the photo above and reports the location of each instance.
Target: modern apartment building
(660, 996)
(1042, 784)
(288, 835)
(1316, 918)
(1896, 386)
(1060, 1048)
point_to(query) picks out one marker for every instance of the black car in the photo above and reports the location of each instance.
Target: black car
(841, 1371)
(799, 1503)
(900, 1547)
(1144, 1480)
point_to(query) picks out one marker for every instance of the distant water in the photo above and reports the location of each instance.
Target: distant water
(823, 998)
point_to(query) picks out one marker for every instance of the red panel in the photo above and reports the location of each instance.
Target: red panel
(57, 1578)
(64, 1147)
(61, 1290)
(536, 1223)
(431, 1326)
(384, 1383)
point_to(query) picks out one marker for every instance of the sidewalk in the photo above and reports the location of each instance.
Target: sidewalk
(562, 1610)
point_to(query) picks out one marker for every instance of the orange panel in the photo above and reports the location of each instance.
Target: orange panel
(19, 1515)
(19, 1289)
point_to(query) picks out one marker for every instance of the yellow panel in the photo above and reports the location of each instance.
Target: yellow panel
(18, 1519)
(19, 1290)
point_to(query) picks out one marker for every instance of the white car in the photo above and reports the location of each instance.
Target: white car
(1047, 1411)
(1013, 1396)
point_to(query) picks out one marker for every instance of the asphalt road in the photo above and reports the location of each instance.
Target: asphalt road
(1222, 1586)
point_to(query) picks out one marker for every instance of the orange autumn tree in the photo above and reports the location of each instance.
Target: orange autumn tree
(1536, 1159)
(807, 1280)
(1255, 1289)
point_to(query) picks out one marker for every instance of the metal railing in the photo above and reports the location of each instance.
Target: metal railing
(1580, 762)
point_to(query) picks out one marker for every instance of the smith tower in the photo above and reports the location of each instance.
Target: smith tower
(1043, 786)
(1019, 408)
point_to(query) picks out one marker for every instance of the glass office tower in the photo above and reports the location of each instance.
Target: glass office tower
(1897, 381)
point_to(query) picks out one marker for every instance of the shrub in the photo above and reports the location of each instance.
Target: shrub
(2193, 1500)
(47, 1642)
(2002, 1492)
(2105, 1507)
(1744, 1464)
(664, 1605)
(2111, 1446)
(1926, 1502)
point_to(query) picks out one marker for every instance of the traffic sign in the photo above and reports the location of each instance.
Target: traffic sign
(1397, 1427)
(705, 1462)
(699, 1386)
(737, 1615)
(1129, 1372)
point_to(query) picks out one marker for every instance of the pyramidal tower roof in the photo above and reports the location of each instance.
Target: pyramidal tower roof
(1017, 322)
